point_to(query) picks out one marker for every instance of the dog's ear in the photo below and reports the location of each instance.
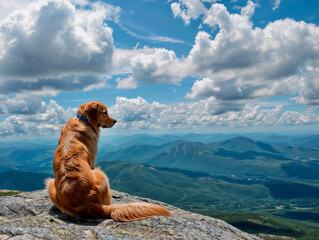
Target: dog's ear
(92, 111)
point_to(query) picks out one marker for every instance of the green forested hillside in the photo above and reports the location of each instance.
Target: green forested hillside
(23, 181)
(181, 188)
(205, 193)
(202, 193)
(259, 223)
(32, 159)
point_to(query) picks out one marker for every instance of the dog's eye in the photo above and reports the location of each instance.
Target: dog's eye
(105, 113)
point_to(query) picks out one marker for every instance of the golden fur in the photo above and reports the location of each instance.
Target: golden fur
(81, 190)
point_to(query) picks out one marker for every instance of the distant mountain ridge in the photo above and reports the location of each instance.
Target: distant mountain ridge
(243, 144)
(33, 159)
(240, 157)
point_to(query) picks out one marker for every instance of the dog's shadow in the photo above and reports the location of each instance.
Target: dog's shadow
(60, 218)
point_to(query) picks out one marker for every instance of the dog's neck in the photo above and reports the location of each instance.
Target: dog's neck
(82, 118)
(86, 122)
(90, 135)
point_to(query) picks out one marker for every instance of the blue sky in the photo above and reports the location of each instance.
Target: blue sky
(160, 66)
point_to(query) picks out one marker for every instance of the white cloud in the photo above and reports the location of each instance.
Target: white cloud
(188, 9)
(126, 83)
(249, 9)
(276, 4)
(13, 106)
(309, 85)
(138, 114)
(50, 42)
(154, 67)
(198, 114)
(247, 62)
(47, 120)
(7, 7)
(148, 65)
(152, 38)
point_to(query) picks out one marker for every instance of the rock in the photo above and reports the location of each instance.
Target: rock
(31, 215)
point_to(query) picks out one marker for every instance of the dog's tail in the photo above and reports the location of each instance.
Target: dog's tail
(129, 212)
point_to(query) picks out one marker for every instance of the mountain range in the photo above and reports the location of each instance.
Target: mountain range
(239, 157)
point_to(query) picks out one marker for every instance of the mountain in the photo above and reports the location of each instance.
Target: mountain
(307, 141)
(183, 155)
(33, 159)
(285, 139)
(276, 139)
(243, 144)
(23, 181)
(109, 143)
(314, 147)
(113, 143)
(239, 157)
(132, 154)
(207, 138)
(35, 155)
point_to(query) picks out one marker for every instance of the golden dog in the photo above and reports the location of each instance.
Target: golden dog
(79, 189)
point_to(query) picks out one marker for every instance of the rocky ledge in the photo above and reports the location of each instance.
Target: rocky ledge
(31, 215)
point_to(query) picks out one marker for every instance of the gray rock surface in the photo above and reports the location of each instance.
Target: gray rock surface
(31, 215)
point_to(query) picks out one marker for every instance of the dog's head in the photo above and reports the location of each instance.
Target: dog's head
(97, 114)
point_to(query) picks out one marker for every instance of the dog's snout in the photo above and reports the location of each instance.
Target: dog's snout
(115, 121)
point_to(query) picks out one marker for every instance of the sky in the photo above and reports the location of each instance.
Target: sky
(160, 66)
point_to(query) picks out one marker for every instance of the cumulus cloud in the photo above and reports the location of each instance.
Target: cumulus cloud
(203, 114)
(41, 87)
(15, 106)
(246, 62)
(51, 42)
(149, 65)
(225, 90)
(126, 83)
(136, 113)
(309, 86)
(47, 120)
(139, 114)
(154, 67)
(188, 9)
